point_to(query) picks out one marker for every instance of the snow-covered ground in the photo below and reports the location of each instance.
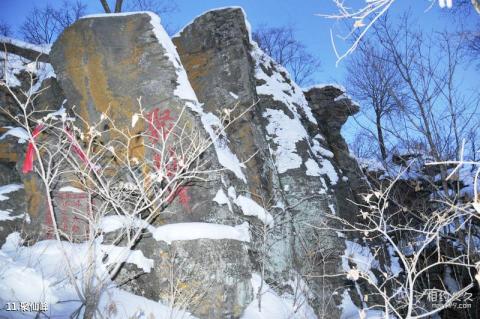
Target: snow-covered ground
(38, 274)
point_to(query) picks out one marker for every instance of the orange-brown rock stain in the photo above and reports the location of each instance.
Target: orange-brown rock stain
(34, 195)
(89, 77)
(198, 66)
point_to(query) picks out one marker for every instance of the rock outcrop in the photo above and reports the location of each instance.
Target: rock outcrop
(331, 107)
(278, 163)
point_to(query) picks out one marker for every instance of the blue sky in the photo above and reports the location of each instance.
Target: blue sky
(312, 30)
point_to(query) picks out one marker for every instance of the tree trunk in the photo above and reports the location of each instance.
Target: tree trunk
(105, 6)
(381, 142)
(118, 6)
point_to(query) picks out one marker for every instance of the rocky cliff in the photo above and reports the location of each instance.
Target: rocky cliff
(253, 230)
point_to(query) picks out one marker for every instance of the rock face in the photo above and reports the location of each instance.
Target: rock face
(104, 64)
(226, 68)
(27, 70)
(331, 107)
(278, 161)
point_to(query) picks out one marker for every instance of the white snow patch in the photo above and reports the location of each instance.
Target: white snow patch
(450, 282)
(361, 257)
(45, 48)
(5, 189)
(274, 306)
(312, 168)
(250, 208)
(135, 118)
(279, 85)
(18, 132)
(215, 130)
(192, 231)
(128, 305)
(285, 133)
(394, 262)
(183, 90)
(318, 149)
(222, 199)
(43, 72)
(12, 65)
(113, 15)
(60, 114)
(345, 96)
(70, 189)
(5, 215)
(114, 222)
(350, 311)
(232, 193)
(38, 273)
(329, 170)
(118, 253)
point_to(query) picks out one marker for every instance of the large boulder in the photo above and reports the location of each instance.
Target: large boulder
(292, 174)
(104, 64)
(332, 106)
(31, 79)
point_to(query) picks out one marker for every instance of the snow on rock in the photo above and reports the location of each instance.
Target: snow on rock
(222, 199)
(273, 306)
(285, 132)
(45, 48)
(184, 90)
(362, 258)
(5, 189)
(216, 131)
(60, 114)
(70, 189)
(114, 222)
(12, 65)
(192, 231)
(43, 71)
(318, 149)
(285, 127)
(279, 85)
(250, 208)
(118, 253)
(350, 311)
(312, 168)
(395, 267)
(345, 96)
(329, 170)
(5, 215)
(18, 132)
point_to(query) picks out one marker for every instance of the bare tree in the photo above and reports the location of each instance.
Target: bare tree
(418, 244)
(43, 25)
(418, 77)
(364, 16)
(281, 44)
(5, 29)
(431, 98)
(160, 7)
(370, 78)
